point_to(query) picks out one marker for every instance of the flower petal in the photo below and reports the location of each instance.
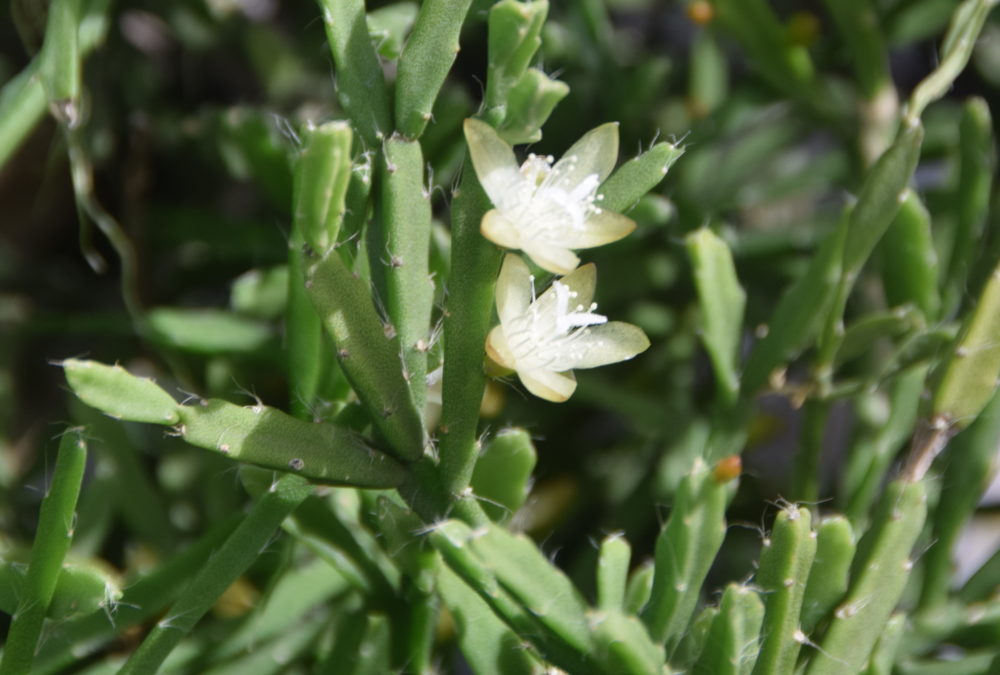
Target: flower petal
(499, 230)
(595, 153)
(581, 281)
(609, 343)
(555, 259)
(498, 349)
(548, 384)
(493, 159)
(513, 292)
(599, 229)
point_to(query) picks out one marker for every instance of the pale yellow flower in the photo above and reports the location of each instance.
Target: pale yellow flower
(544, 339)
(546, 209)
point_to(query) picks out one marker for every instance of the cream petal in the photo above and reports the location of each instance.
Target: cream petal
(498, 349)
(595, 153)
(581, 281)
(435, 385)
(555, 259)
(493, 159)
(432, 414)
(599, 229)
(548, 384)
(499, 230)
(609, 343)
(513, 291)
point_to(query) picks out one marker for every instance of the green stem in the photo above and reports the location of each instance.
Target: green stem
(406, 238)
(144, 599)
(971, 197)
(426, 59)
(785, 560)
(612, 572)
(228, 563)
(807, 461)
(361, 86)
(368, 353)
(52, 540)
(321, 177)
(961, 488)
(22, 105)
(23, 98)
(872, 454)
(910, 261)
(62, 61)
(475, 263)
(304, 334)
(415, 619)
(315, 518)
(82, 173)
(685, 549)
(132, 492)
(424, 492)
(878, 575)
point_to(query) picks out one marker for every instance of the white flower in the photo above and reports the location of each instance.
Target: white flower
(545, 338)
(543, 209)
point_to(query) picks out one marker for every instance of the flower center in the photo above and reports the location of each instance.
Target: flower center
(547, 336)
(545, 205)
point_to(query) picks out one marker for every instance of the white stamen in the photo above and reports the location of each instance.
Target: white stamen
(547, 336)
